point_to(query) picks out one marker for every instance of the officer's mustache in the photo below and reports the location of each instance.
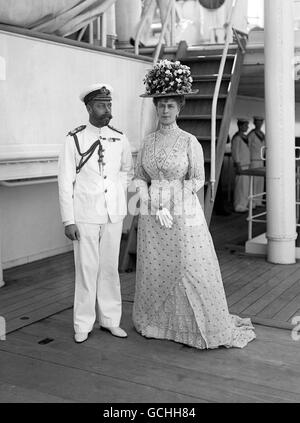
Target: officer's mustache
(106, 116)
(104, 119)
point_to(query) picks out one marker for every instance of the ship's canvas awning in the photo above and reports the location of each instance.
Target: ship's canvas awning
(60, 17)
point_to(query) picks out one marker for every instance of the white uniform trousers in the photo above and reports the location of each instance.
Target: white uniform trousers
(258, 183)
(97, 282)
(241, 192)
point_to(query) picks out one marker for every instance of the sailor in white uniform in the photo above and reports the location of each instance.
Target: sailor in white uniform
(256, 140)
(241, 159)
(95, 169)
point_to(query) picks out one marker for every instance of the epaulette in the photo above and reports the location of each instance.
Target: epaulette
(76, 130)
(114, 129)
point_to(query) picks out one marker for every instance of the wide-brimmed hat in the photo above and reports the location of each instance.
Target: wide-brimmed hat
(168, 79)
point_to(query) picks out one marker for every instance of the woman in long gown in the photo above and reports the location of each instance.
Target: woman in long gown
(179, 291)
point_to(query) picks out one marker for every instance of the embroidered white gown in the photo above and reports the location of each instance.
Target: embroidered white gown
(179, 291)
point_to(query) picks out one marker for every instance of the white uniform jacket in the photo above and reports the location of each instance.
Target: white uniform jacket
(240, 151)
(97, 192)
(255, 146)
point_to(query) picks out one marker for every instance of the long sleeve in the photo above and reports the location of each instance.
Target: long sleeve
(255, 146)
(66, 180)
(126, 170)
(141, 178)
(251, 143)
(236, 150)
(196, 172)
(240, 151)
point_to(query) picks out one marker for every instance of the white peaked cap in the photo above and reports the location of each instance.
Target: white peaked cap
(94, 87)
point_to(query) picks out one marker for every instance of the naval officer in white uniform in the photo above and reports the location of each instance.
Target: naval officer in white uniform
(256, 142)
(95, 169)
(241, 159)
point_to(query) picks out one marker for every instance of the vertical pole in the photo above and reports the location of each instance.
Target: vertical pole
(98, 29)
(1, 271)
(280, 131)
(111, 26)
(103, 30)
(128, 15)
(91, 33)
(250, 217)
(297, 195)
(1, 276)
(173, 24)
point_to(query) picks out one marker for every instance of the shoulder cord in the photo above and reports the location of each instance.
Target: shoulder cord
(85, 157)
(260, 135)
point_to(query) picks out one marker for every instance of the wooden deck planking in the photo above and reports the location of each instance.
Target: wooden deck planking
(26, 303)
(266, 280)
(35, 276)
(22, 290)
(243, 277)
(251, 284)
(275, 306)
(137, 369)
(289, 310)
(254, 291)
(78, 385)
(108, 369)
(247, 283)
(297, 312)
(292, 284)
(34, 316)
(8, 293)
(15, 394)
(232, 269)
(64, 353)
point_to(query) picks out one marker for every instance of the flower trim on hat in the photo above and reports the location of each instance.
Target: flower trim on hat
(168, 77)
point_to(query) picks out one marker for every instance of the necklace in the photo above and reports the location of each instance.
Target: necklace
(168, 129)
(163, 148)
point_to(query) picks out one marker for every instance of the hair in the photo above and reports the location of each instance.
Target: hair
(180, 100)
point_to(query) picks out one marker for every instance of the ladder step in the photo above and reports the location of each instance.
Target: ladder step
(212, 57)
(212, 77)
(204, 96)
(142, 50)
(198, 117)
(211, 49)
(146, 50)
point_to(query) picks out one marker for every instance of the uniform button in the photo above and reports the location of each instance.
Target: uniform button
(105, 191)
(105, 177)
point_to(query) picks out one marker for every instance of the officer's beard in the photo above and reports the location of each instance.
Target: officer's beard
(101, 121)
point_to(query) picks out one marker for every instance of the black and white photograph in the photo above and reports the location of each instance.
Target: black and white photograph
(149, 205)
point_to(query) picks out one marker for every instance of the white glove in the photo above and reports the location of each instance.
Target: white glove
(165, 218)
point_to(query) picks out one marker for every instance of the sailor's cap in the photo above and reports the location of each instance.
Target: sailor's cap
(242, 120)
(99, 91)
(256, 117)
